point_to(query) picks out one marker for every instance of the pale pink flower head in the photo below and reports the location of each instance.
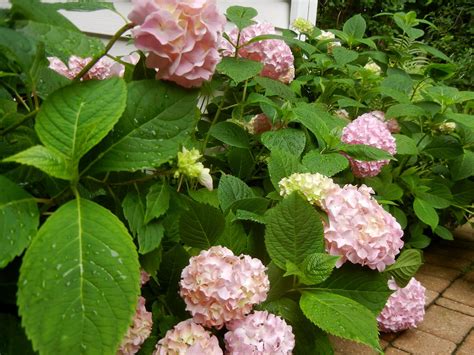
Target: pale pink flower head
(405, 308)
(258, 124)
(368, 129)
(103, 69)
(260, 333)
(391, 124)
(273, 53)
(359, 229)
(138, 332)
(181, 37)
(188, 338)
(218, 286)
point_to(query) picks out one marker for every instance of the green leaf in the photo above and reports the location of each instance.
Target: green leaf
(241, 162)
(279, 284)
(150, 237)
(231, 134)
(159, 116)
(134, 210)
(294, 231)
(443, 233)
(83, 5)
(241, 16)
(239, 69)
(201, 225)
(341, 316)
(75, 118)
(232, 189)
(256, 205)
(405, 145)
(17, 47)
(433, 199)
(462, 167)
(282, 164)
(157, 201)
(355, 26)
(62, 42)
(234, 236)
(404, 110)
(34, 10)
(425, 212)
(444, 147)
(308, 117)
(19, 220)
(400, 216)
(84, 265)
(327, 164)
(367, 287)
(314, 269)
(464, 119)
(344, 56)
(348, 102)
(205, 196)
(45, 159)
(275, 88)
(365, 152)
(290, 140)
(406, 266)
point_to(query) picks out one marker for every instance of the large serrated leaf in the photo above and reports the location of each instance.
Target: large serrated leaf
(290, 140)
(159, 116)
(77, 117)
(84, 267)
(327, 164)
(426, 212)
(365, 152)
(19, 219)
(406, 266)
(239, 69)
(364, 286)
(201, 225)
(231, 134)
(341, 316)
(282, 164)
(157, 201)
(62, 42)
(294, 231)
(232, 189)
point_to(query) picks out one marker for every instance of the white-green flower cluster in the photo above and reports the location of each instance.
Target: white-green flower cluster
(302, 25)
(189, 166)
(373, 67)
(447, 127)
(315, 187)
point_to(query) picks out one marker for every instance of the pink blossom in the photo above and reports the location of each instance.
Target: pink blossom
(138, 332)
(260, 333)
(391, 124)
(103, 69)
(181, 36)
(359, 229)
(273, 53)
(144, 277)
(368, 129)
(258, 124)
(405, 308)
(188, 338)
(218, 286)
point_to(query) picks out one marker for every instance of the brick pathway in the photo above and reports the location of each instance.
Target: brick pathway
(448, 327)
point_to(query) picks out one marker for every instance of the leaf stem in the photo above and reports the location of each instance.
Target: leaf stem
(109, 45)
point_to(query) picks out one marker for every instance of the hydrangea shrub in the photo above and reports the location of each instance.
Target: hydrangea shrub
(219, 192)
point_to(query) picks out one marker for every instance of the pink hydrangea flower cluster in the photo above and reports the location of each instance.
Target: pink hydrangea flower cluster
(359, 229)
(260, 333)
(218, 286)
(188, 338)
(273, 53)
(391, 124)
(138, 332)
(103, 69)
(368, 129)
(405, 308)
(181, 37)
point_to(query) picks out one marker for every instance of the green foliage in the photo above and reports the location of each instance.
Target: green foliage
(84, 264)
(406, 266)
(293, 232)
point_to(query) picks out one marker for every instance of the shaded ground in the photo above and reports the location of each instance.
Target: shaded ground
(448, 327)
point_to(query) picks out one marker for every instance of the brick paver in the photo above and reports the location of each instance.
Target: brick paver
(347, 347)
(394, 351)
(421, 343)
(447, 261)
(455, 306)
(467, 347)
(446, 324)
(445, 273)
(433, 283)
(430, 296)
(461, 291)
